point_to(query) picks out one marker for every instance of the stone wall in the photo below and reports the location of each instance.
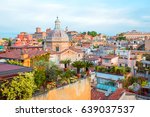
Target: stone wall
(80, 90)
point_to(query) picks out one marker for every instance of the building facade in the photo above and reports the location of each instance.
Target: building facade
(147, 45)
(57, 42)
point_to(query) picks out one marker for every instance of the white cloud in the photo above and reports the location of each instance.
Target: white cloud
(146, 17)
(23, 15)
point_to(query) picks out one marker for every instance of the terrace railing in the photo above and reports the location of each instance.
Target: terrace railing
(142, 97)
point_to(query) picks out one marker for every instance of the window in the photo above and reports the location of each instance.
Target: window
(57, 49)
(106, 60)
(78, 55)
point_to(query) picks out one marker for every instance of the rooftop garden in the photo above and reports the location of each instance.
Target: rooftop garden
(46, 76)
(141, 68)
(135, 84)
(113, 70)
(147, 56)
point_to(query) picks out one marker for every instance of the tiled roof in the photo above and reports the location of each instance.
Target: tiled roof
(96, 95)
(73, 49)
(92, 58)
(7, 70)
(116, 95)
(109, 56)
(25, 46)
(16, 54)
(70, 48)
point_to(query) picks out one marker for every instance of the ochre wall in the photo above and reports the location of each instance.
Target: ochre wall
(26, 63)
(80, 90)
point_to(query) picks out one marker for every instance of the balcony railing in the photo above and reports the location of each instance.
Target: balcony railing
(142, 97)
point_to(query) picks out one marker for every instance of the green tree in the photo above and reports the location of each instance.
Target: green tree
(100, 69)
(92, 33)
(66, 63)
(40, 77)
(20, 88)
(52, 72)
(121, 37)
(41, 65)
(147, 56)
(127, 69)
(40, 73)
(67, 77)
(87, 65)
(40, 40)
(14, 62)
(83, 33)
(6, 39)
(78, 65)
(9, 43)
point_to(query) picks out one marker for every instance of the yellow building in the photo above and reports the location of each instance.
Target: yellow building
(25, 56)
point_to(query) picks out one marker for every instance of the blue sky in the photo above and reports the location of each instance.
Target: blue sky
(104, 16)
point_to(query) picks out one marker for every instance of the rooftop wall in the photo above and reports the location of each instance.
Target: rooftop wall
(80, 90)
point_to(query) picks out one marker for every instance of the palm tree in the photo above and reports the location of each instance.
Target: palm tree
(66, 63)
(88, 64)
(66, 77)
(78, 65)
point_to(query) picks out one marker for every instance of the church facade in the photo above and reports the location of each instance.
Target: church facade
(57, 42)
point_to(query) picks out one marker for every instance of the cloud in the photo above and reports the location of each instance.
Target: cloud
(25, 15)
(147, 17)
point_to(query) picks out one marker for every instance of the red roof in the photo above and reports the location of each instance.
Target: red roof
(25, 47)
(8, 70)
(116, 95)
(16, 54)
(96, 95)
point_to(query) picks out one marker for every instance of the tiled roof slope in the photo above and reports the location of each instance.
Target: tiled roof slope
(116, 95)
(96, 95)
(8, 70)
(16, 54)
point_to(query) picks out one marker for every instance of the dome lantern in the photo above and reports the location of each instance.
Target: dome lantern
(57, 23)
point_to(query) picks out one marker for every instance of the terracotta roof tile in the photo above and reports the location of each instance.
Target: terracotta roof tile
(7, 70)
(73, 49)
(96, 95)
(16, 54)
(116, 95)
(109, 56)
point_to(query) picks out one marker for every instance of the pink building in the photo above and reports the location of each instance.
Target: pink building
(24, 39)
(110, 60)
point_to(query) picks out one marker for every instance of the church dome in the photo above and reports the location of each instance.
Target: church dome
(57, 34)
